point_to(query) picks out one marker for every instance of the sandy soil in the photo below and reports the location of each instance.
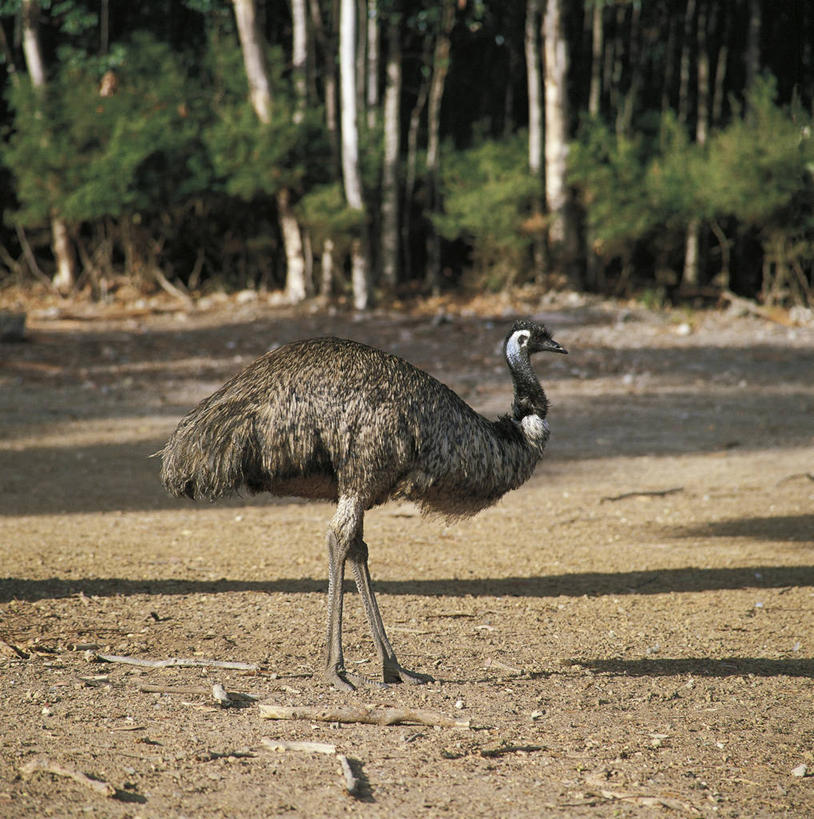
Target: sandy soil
(630, 633)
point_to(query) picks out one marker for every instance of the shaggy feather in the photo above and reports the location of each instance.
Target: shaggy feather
(327, 417)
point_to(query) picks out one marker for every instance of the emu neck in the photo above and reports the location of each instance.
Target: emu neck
(529, 396)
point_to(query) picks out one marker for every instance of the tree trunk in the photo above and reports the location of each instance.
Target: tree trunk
(392, 152)
(702, 120)
(597, 46)
(299, 58)
(411, 162)
(327, 264)
(534, 84)
(65, 277)
(260, 96)
(372, 79)
(296, 284)
(561, 232)
(254, 60)
(752, 57)
(593, 264)
(716, 110)
(624, 122)
(684, 65)
(360, 268)
(535, 96)
(692, 249)
(617, 65)
(360, 52)
(440, 69)
(327, 43)
(669, 64)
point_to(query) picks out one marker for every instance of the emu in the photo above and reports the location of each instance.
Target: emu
(332, 419)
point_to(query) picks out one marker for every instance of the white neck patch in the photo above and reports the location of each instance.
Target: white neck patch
(517, 342)
(536, 430)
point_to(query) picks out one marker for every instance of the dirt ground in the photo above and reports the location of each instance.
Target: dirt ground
(630, 633)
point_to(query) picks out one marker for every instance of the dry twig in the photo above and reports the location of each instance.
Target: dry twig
(795, 476)
(191, 690)
(307, 747)
(351, 782)
(220, 696)
(362, 714)
(173, 662)
(499, 666)
(654, 493)
(48, 766)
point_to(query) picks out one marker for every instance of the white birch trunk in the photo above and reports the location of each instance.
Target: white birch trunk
(65, 276)
(296, 288)
(253, 59)
(535, 95)
(31, 43)
(691, 276)
(360, 277)
(392, 153)
(299, 58)
(348, 119)
(260, 97)
(556, 119)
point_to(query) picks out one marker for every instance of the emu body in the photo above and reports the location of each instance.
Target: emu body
(333, 419)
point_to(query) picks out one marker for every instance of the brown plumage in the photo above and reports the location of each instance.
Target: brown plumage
(333, 419)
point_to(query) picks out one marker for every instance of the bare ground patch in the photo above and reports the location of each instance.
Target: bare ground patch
(630, 632)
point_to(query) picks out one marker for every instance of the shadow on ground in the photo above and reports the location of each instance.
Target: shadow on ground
(570, 585)
(703, 667)
(778, 528)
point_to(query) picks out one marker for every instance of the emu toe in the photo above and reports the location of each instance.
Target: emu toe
(394, 673)
(347, 681)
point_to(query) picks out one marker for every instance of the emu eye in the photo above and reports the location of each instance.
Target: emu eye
(522, 339)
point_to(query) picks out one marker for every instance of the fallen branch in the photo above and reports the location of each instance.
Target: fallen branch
(191, 690)
(361, 714)
(654, 493)
(496, 664)
(173, 662)
(351, 782)
(48, 766)
(649, 801)
(307, 747)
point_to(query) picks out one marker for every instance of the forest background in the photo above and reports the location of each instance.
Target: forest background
(360, 149)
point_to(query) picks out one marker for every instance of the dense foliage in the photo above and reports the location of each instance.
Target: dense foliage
(689, 115)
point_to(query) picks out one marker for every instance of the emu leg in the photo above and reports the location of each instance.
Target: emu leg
(334, 671)
(344, 529)
(391, 670)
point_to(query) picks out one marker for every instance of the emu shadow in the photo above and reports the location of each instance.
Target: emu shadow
(703, 667)
(781, 528)
(578, 584)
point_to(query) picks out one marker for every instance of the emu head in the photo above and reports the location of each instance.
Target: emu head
(527, 337)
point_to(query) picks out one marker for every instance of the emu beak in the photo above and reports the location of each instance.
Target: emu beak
(550, 346)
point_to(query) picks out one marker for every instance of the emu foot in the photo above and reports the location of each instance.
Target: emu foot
(394, 673)
(344, 680)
